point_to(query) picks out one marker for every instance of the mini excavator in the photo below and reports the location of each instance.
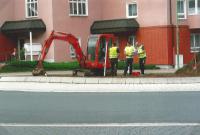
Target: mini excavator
(95, 60)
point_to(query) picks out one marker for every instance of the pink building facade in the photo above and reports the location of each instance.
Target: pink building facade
(156, 18)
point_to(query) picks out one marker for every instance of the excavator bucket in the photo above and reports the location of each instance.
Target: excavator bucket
(38, 71)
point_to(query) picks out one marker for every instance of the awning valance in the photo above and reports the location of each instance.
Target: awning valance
(23, 26)
(114, 26)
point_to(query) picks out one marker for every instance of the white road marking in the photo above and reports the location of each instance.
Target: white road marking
(97, 88)
(101, 125)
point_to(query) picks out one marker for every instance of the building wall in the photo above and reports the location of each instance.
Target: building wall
(154, 17)
(185, 44)
(6, 10)
(191, 20)
(6, 13)
(157, 45)
(79, 26)
(150, 13)
(6, 48)
(194, 21)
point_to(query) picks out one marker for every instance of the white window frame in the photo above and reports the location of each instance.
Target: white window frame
(27, 9)
(194, 47)
(71, 49)
(127, 9)
(184, 9)
(196, 8)
(78, 2)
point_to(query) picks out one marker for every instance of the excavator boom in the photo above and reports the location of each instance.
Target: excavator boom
(72, 40)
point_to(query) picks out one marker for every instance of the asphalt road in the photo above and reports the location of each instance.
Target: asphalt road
(141, 107)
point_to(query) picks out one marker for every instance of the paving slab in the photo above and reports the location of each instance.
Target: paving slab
(92, 80)
(78, 80)
(67, 79)
(105, 80)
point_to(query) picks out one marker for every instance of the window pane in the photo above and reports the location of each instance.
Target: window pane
(32, 8)
(192, 40)
(36, 9)
(180, 6)
(79, 9)
(75, 8)
(132, 10)
(84, 8)
(29, 10)
(71, 8)
(191, 6)
(197, 40)
(198, 6)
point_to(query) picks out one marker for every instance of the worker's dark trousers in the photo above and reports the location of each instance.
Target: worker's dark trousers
(129, 64)
(142, 62)
(114, 65)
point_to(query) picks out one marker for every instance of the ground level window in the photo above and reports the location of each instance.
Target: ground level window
(195, 42)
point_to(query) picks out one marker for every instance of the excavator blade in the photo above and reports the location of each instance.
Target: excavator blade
(38, 72)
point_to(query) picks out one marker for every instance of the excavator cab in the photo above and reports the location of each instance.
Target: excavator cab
(97, 50)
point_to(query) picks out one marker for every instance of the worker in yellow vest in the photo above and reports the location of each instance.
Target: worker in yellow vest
(113, 56)
(129, 52)
(142, 57)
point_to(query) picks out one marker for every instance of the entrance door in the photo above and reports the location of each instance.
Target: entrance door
(21, 50)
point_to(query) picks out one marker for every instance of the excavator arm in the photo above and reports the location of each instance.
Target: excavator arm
(39, 70)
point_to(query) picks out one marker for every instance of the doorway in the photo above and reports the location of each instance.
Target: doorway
(21, 50)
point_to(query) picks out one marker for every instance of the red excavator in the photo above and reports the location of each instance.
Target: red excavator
(94, 61)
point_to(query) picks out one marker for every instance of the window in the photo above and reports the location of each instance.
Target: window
(195, 42)
(78, 7)
(194, 7)
(72, 51)
(31, 8)
(131, 10)
(131, 39)
(181, 9)
(91, 48)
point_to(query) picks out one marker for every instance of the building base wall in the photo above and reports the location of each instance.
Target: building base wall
(6, 48)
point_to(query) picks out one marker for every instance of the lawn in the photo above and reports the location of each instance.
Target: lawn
(23, 66)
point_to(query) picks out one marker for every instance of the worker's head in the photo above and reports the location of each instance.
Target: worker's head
(129, 43)
(114, 44)
(136, 43)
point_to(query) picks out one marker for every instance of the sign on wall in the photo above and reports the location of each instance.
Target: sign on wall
(36, 49)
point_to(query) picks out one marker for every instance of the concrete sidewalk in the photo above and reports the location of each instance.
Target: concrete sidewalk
(69, 73)
(65, 77)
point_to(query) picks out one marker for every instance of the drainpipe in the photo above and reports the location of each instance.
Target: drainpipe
(177, 36)
(172, 30)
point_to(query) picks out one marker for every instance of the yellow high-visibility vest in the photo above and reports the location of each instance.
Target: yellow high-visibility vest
(141, 52)
(113, 52)
(129, 51)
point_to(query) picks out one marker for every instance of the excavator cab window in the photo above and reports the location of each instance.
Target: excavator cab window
(92, 47)
(102, 49)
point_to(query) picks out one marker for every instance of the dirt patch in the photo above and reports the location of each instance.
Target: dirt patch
(2, 65)
(191, 69)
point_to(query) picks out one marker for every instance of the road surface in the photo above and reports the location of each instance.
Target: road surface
(141, 113)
